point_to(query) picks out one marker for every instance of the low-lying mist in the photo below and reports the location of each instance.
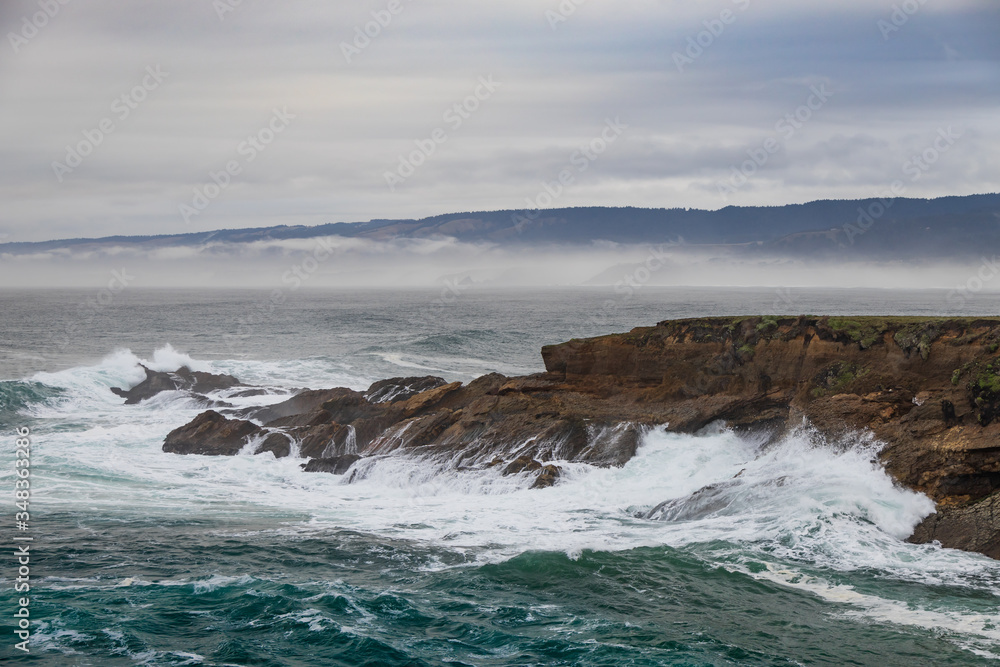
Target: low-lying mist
(337, 262)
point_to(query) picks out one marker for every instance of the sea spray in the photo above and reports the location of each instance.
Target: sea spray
(803, 515)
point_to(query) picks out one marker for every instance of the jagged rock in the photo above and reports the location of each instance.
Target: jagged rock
(703, 502)
(426, 399)
(972, 527)
(522, 464)
(277, 443)
(249, 392)
(927, 387)
(324, 440)
(337, 465)
(212, 434)
(394, 390)
(302, 403)
(612, 445)
(546, 477)
(547, 474)
(184, 379)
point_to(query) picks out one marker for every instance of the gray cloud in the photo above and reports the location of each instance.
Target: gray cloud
(352, 121)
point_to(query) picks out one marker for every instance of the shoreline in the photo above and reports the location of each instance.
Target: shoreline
(925, 386)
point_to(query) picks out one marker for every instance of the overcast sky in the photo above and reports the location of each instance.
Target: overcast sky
(201, 77)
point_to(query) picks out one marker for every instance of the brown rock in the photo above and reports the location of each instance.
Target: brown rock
(394, 390)
(927, 387)
(547, 476)
(336, 465)
(277, 443)
(522, 464)
(183, 379)
(428, 398)
(212, 434)
(971, 527)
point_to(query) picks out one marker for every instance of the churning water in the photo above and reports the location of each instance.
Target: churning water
(704, 549)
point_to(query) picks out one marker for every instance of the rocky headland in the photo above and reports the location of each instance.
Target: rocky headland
(929, 388)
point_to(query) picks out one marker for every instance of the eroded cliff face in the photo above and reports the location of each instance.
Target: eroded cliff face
(929, 388)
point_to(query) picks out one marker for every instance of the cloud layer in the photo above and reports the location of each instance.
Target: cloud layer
(838, 96)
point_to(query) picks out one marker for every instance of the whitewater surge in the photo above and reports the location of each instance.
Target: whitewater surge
(803, 512)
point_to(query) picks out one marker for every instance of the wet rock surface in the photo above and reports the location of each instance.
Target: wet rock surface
(211, 433)
(927, 387)
(196, 383)
(337, 465)
(400, 389)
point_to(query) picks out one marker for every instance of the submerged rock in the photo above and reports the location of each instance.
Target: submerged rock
(522, 464)
(337, 465)
(547, 477)
(547, 474)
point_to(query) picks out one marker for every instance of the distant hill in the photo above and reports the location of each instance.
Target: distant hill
(932, 228)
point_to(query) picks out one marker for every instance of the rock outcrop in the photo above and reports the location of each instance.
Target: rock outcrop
(929, 388)
(196, 383)
(210, 433)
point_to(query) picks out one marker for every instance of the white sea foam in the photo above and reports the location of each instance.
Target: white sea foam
(874, 608)
(799, 487)
(314, 373)
(313, 618)
(401, 361)
(219, 581)
(803, 504)
(167, 359)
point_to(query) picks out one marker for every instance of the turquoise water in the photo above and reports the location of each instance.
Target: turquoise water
(145, 558)
(339, 597)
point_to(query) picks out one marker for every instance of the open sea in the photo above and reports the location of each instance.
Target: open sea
(144, 558)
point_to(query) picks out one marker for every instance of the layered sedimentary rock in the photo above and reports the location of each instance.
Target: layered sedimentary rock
(929, 388)
(493, 420)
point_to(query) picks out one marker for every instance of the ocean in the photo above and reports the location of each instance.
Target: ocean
(144, 558)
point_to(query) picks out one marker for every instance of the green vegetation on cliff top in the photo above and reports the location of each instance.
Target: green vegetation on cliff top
(911, 333)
